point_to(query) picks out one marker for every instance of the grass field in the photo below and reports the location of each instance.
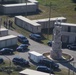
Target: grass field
(64, 8)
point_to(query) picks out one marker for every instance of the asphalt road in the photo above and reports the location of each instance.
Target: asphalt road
(35, 46)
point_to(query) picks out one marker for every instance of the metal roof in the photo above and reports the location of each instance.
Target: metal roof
(7, 37)
(32, 72)
(28, 21)
(66, 24)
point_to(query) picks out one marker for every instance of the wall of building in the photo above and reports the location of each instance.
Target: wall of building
(27, 24)
(68, 32)
(19, 8)
(9, 40)
(3, 32)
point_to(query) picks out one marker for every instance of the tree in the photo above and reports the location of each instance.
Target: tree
(74, 1)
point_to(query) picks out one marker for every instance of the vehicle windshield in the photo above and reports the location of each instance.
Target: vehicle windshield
(22, 59)
(23, 37)
(38, 36)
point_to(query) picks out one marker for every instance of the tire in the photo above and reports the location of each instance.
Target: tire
(69, 47)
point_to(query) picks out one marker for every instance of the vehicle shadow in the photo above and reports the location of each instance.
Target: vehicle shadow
(24, 50)
(69, 65)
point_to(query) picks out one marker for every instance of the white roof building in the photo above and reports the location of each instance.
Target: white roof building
(32, 72)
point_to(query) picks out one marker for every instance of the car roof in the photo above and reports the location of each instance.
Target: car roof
(42, 66)
(23, 45)
(18, 57)
(47, 60)
(35, 34)
(5, 48)
(21, 35)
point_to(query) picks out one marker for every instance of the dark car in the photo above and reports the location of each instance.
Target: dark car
(23, 39)
(22, 47)
(35, 37)
(44, 69)
(6, 51)
(1, 60)
(71, 46)
(49, 63)
(49, 43)
(20, 61)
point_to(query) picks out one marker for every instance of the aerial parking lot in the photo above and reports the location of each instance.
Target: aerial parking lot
(26, 27)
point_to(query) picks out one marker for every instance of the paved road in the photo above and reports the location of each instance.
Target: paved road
(35, 46)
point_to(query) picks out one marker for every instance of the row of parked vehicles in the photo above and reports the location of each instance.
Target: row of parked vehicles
(18, 61)
(69, 46)
(24, 44)
(45, 65)
(38, 38)
(24, 40)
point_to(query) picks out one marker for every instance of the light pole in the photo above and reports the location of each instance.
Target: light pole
(26, 8)
(0, 25)
(49, 20)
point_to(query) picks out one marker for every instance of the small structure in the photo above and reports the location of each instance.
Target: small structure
(45, 22)
(3, 32)
(32, 72)
(36, 26)
(19, 8)
(28, 24)
(35, 56)
(8, 40)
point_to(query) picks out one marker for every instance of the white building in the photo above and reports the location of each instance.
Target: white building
(49, 23)
(19, 8)
(32, 72)
(8, 40)
(68, 32)
(28, 24)
(3, 32)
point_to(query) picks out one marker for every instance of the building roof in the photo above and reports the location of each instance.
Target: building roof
(66, 24)
(32, 72)
(3, 29)
(28, 21)
(51, 19)
(7, 37)
(33, 0)
(19, 4)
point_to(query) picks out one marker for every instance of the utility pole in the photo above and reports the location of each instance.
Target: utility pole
(26, 8)
(49, 20)
(0, 25)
